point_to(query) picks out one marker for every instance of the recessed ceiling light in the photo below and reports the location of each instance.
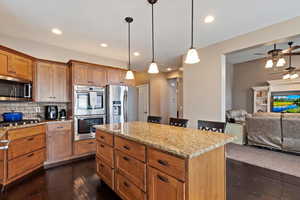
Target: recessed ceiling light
(56, 31)
(209, 19)
(103, 45)
(169, 69)
(136, 53)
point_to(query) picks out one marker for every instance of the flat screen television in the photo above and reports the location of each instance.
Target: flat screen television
(288, 102)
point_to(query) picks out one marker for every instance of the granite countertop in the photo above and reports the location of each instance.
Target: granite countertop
(182, 142)
(4, 130)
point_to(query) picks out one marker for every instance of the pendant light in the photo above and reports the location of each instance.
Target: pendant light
(153, 68)
(129, 73)
(192, 56)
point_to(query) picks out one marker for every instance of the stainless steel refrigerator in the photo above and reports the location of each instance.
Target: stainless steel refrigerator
(122, 104)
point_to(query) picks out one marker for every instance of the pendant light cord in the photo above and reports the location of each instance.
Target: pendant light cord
(129, 48)
(153, 35)
(192, 25)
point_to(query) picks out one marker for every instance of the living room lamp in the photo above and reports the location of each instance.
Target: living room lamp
(129, 73)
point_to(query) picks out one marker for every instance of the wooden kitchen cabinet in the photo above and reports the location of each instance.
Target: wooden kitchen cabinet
(163, 186)
(83, 147)
(59, 141)
(114, 76)
(15, 66)
(89, 75)
(51, 82)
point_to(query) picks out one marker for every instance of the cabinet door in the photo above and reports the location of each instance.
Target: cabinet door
(4, 57)
(80, 75)
(59, 83)
(113, 76)
(98, 77)
(59, 145)
(162, 186)
(22, 67)
(44, 75)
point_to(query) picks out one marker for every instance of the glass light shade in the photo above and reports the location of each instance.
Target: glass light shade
(269, 64)
(293, 76)
(192, 56)
(129, 75)
(281, 62)
(286, 76)
(153, 68)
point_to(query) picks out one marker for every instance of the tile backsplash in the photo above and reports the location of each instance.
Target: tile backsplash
(31, 110)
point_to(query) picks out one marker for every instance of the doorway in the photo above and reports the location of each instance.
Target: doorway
(143, 102)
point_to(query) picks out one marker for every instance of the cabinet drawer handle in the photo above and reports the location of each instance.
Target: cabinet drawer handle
(101, 145)
(164, 179)
(30, 139)
(102, 137)
(125, 158)
(59, 127)
(163, 162)
(91, 143)
(30, 155)
(126, 147)
(126, 184)
(101, 165)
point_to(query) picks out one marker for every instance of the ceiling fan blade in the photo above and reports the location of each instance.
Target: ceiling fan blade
(290, 49)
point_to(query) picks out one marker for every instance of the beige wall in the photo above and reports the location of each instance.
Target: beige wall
(54, 53)
(249, 74)
(204, 83)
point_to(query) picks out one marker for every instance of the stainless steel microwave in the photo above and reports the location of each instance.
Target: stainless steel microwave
(15, 91)
(83, 126)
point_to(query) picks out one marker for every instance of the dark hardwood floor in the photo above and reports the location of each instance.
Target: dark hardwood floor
(78, 181)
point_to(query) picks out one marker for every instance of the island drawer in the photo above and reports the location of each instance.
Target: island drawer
(60, 126)
(133, 149)
(127, 190)
(24, 163)
(106, 153)
(26, 132)
(26, 145)
(131, 168)
(105, 172)
(169, 164)
(105, 137)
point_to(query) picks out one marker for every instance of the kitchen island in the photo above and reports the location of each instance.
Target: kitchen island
(140, 160)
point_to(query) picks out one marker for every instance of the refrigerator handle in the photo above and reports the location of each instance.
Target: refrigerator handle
(125, 106)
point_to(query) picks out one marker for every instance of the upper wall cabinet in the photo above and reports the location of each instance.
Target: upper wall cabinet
(52, 82)
(117, 76)
(15, 66)
(88, 75)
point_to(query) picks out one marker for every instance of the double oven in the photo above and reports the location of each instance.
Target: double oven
(89, 110)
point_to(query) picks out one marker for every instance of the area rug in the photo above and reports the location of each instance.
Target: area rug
(277, 161)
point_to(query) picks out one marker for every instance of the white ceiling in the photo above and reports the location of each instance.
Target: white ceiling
(87, 23)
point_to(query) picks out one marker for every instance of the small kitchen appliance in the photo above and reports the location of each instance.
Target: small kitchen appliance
(62, 114)
(51, 112)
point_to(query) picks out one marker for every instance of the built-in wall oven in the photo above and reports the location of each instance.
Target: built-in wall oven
(89, 100)
(83, 126)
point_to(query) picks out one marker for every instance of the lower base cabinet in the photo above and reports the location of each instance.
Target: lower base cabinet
(127, 190)
(106, 173)
(85, 147)
(163, 186)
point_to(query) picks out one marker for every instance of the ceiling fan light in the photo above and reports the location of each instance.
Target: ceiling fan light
(129, 75)
(281, 62)
(153, 68)
(269, 64)
(293, 76)
(286, 76)
(192, 56)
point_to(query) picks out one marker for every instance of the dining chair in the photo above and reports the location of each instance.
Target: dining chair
(178, 122)
(211, 126)
(154, 119)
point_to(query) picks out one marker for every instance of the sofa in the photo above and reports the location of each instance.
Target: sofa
(280, 131)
